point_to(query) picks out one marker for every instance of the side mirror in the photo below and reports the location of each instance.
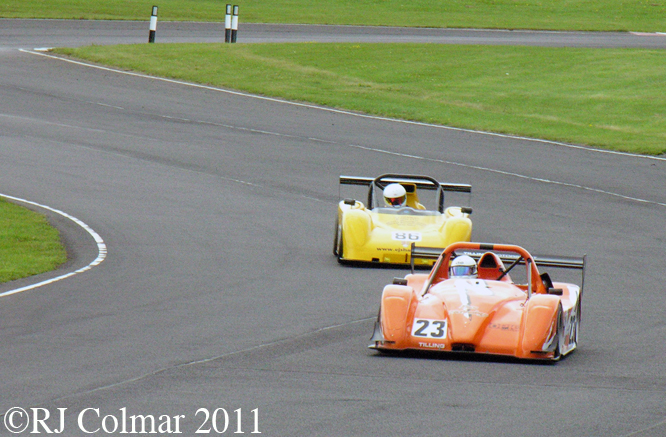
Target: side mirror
(466, 210)
(351, 202)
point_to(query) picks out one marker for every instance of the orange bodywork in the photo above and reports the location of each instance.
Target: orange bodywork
(487, 314)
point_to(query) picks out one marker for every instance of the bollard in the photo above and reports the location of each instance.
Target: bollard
(234, 24)
(227, 25)
(153, 25)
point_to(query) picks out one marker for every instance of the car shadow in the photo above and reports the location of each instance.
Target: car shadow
(462, 356)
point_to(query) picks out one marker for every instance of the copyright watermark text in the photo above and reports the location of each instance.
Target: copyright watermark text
(219, 421)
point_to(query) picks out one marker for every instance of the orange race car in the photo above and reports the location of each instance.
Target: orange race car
(469, 302)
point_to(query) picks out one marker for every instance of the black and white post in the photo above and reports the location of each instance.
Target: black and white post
(227, 25)
(153, 25)
(234, 24)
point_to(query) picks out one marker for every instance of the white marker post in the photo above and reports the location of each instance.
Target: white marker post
(227, 25)
(234, 24)
(153, 25)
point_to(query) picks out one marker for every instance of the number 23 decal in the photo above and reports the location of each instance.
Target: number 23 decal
(429, 328)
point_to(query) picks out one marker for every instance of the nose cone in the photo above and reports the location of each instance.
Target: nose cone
(466, 322)
(468, 303)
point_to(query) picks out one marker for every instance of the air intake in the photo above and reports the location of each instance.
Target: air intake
(462, 347)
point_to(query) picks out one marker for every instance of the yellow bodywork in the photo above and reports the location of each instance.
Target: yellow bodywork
(385, 235)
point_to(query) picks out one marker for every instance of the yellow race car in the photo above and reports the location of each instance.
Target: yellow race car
(383, 229)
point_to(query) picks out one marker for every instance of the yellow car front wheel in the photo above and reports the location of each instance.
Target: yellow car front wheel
(337, 241)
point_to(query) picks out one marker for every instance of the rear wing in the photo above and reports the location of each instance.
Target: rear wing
(569, 262)
(565, 262)
(421, 182)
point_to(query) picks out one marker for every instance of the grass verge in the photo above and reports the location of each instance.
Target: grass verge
(605, 98)
(599, 97)
(606, 15)
(28, 244)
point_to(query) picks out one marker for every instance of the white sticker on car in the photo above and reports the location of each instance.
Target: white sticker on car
(429, 328)
(406, 236)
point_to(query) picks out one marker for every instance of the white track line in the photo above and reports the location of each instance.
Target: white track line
(506, 173)
(101, 247)
(338, 111)
(322, 108)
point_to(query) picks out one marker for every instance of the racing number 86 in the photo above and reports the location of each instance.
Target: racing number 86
(406, 236)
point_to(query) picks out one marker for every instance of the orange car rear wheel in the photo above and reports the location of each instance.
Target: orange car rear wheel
(559, 334)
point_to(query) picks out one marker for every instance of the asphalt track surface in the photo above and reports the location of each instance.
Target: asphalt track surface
(219, 289)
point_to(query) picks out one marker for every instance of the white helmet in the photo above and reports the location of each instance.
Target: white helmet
(395, 195)
(463, 267)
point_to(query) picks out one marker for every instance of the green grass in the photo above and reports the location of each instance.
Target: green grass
(605, 98)
(622, 15)
(601, 97)
(28, 244)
